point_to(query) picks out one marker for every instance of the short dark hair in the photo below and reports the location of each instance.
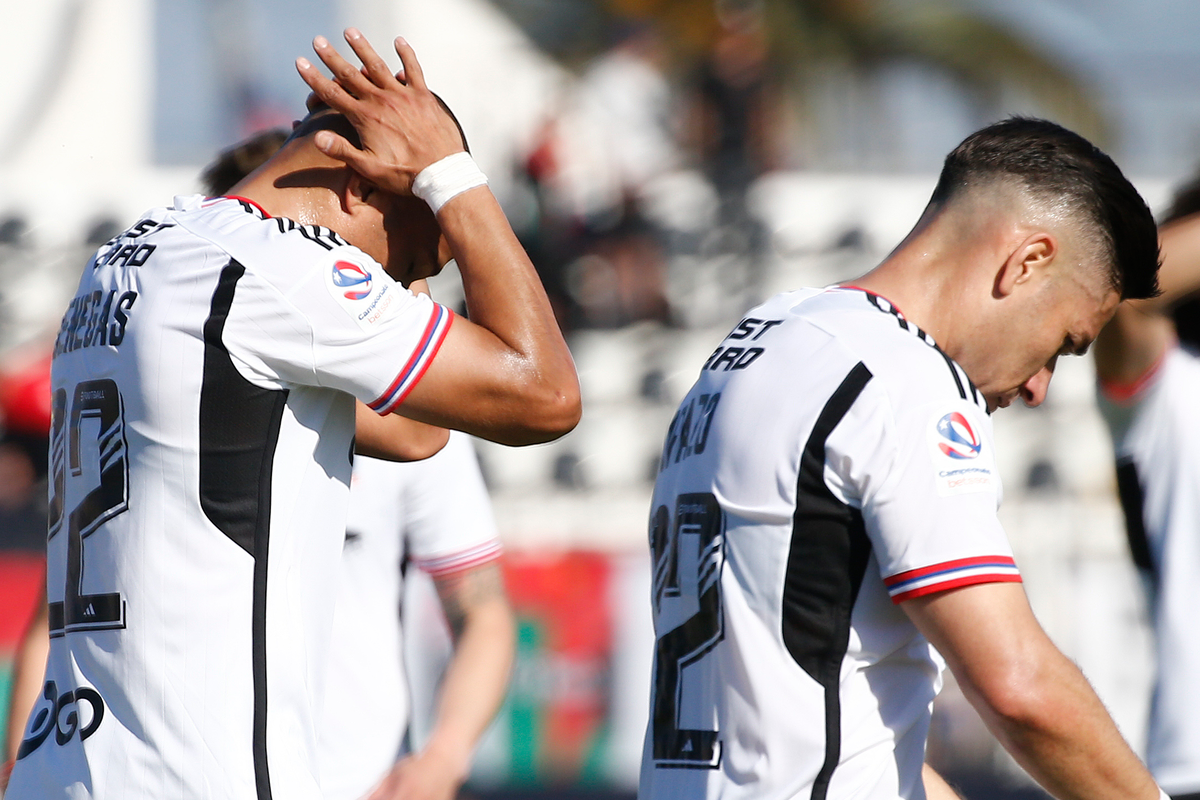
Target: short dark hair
(1053, 162)
(237, 162)
(321, 116)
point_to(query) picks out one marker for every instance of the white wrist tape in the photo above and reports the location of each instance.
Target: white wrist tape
(447, 178)
(1162, 795)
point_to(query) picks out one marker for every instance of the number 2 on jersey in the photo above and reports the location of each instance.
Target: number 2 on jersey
(98, 404)
(688, 560)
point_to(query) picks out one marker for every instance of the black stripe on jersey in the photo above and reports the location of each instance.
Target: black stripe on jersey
(966, 389)
(249, 207)
(314, 233)
(962, 391)
(825, 567)
(1129, 489)
(239, 429)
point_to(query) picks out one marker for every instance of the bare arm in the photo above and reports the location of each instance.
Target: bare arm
(936, 787)
(506, 373)
(476, 681)
(29, 668)
(1140, 331)
(1035, 701)
(395, 438)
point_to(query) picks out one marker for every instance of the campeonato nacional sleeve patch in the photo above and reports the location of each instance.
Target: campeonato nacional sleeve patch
(360, 288)
(961, 458)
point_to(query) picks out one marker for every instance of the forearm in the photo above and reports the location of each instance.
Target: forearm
(1065, 739)
(28, 671)
(936, 787)
(505, 296)
(395, 438)
(1031, 696)
(1179, 275)
(475, 683)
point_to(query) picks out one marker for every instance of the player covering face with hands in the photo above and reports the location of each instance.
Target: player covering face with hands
(203, 390)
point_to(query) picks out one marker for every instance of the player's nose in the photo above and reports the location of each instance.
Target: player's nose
(1033, 391)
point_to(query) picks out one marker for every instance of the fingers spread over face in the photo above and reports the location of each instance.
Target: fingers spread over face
(323, 89)
(348, 76)
(373, 67)
(413, 74)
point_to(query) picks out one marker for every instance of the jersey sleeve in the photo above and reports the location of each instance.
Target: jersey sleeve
(926, 481)
(449, 526)
(340, 321)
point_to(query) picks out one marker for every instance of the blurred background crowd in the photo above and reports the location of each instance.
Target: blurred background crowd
(667, 164)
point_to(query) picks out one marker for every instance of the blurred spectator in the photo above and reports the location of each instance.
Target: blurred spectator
(619, 277)
(586, 179)
(731, 118)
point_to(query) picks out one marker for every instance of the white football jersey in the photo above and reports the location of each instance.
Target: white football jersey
(1156, 432)
(204, 381)
(829, 463)
(434, 514)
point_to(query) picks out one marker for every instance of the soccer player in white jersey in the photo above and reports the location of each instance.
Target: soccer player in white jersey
(1148, 363)
(204, 384)
(432, 515)
(825, 510)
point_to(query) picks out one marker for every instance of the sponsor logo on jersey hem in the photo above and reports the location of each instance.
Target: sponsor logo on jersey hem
(64, 716)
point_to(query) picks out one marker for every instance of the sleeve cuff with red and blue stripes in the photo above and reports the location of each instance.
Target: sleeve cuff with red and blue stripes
(422, 356)
(951, 575)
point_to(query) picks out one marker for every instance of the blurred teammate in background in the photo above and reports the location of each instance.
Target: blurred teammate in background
(202, 391)
(1148, 363)
(435, 515)
(825, 511)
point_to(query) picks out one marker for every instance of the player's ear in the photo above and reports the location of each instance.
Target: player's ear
(1027, 261)
(357, 192)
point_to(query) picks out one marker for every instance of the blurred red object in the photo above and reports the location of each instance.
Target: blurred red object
(25, 396)
(23, 575)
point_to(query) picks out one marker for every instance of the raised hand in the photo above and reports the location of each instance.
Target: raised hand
(402, 125)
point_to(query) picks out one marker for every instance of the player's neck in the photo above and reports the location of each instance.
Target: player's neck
(939, 277)
(926, 297)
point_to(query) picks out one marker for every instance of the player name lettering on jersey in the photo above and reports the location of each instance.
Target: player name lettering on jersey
(95, 318)
(732, 357)
(688, 432)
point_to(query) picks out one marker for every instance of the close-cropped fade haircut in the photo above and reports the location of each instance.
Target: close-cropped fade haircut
(1058, 166)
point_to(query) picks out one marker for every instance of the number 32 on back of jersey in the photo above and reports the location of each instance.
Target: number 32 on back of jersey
(687, 544)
